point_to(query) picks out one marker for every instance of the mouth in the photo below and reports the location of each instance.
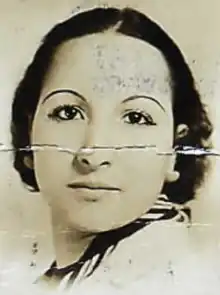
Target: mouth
(92, 186)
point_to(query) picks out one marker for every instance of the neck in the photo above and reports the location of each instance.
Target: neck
(69, 243)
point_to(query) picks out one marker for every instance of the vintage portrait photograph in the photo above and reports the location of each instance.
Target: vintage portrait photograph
(110, 143)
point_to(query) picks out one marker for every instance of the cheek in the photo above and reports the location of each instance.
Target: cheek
(145, 170)
(50, 168)
(160, 137)
(66, 135)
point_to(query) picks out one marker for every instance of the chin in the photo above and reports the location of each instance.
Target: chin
(91, 228)
(97, 226)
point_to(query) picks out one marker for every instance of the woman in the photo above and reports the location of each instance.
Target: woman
(108, 96)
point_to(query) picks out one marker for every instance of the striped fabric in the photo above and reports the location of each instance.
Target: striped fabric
(105, 243)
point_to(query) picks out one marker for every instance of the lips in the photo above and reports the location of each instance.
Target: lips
(92, 186)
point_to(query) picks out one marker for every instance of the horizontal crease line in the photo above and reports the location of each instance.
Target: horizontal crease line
(184, 150)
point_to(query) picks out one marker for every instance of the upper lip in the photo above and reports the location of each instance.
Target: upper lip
(93, 186)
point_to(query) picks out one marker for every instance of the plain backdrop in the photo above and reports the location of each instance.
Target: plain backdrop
(194, 25)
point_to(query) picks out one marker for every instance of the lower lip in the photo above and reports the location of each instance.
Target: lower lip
(92, 195)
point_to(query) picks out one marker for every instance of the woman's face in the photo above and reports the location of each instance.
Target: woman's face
(119, 95)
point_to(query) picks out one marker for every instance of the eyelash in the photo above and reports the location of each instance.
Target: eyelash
(142, 115)
(55, 114)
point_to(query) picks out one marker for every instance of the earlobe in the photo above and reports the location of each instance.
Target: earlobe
(172, 175)
(28, 162)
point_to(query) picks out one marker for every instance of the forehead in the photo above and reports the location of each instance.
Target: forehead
(108, 61)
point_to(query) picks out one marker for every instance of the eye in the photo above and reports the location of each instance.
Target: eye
(138, 118)
(66, 113)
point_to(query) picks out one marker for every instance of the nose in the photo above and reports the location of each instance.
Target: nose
(95, 152)
(88, 160)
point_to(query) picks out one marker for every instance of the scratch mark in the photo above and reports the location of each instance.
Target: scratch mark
(183, 150)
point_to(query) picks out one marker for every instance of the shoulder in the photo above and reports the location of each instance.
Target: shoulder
(150, 253)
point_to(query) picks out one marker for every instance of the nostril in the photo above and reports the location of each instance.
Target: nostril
(84, 161)
(105, 163)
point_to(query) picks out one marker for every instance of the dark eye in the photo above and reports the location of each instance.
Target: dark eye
(66, 112)
(139, 118)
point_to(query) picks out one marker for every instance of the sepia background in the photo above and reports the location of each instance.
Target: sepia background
(194, 25)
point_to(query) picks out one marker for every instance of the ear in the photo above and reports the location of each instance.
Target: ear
(28, 162)
(181, 131)
(173, 175)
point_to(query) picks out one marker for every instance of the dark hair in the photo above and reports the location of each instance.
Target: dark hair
(187, 106)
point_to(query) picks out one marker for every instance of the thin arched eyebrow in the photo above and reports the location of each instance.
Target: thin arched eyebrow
(145, 97)
(73, 92)
(58, 91)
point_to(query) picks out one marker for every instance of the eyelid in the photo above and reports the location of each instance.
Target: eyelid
(142, 112)
(59, 108)
(64, 91)
(138, 110)
(145, 97)
(65, 98)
